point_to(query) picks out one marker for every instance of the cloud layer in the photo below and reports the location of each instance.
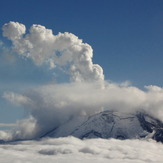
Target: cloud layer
(73, 150)
(51, 105)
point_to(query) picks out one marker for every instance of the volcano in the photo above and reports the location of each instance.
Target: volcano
(111, 124)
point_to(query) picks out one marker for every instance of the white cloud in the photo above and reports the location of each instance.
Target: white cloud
(13, 30)
(16, 99)
(63, 50)
(71, 149)
(51, 105)
(5, 135)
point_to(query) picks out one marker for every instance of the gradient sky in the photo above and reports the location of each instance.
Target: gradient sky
(126, 36)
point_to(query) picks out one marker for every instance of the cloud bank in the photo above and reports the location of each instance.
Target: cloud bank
(51, 105)
(73, 150)
(87, 92)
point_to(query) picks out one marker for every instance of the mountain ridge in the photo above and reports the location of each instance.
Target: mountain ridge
(111, 124)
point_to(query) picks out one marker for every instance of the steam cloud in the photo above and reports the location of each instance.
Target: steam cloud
(53, 104)
(64, 50)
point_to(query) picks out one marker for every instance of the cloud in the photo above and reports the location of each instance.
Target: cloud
(52, 105)
(71, 149)
(5, 135)
(7, 124)
(13, 30)
(16, 99)
(55, 151)
(87, 92)
(64, 50)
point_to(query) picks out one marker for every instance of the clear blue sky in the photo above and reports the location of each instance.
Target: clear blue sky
(126, 35)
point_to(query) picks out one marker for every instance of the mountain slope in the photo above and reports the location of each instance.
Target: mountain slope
(109, 124)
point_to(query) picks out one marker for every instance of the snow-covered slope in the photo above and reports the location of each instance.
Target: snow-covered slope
(109, 124)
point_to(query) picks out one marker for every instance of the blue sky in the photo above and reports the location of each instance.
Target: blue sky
(126, 36)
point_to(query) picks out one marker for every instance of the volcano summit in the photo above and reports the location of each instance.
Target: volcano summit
(111, 124)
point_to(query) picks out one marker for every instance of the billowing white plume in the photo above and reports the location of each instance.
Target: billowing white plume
(64, 50)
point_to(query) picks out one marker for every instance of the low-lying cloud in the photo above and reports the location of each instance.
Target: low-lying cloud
(73, 150)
